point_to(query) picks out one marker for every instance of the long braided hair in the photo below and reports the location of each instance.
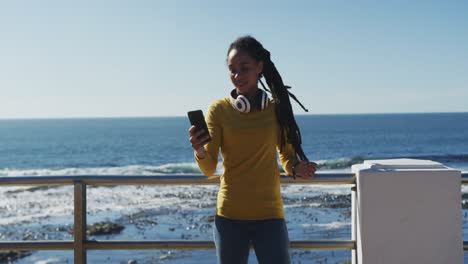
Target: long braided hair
(278, 90)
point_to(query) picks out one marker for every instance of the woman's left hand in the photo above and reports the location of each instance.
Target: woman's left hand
(305, 169)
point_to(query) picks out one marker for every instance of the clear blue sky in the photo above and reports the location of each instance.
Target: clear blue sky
(163, 58)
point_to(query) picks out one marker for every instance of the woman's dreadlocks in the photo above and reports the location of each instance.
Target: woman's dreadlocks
(279, 91)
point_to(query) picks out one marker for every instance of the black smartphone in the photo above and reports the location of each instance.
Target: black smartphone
(198, 120)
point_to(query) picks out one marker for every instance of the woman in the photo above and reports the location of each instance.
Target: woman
(249, 128)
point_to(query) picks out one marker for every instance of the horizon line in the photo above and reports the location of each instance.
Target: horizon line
(178, 116)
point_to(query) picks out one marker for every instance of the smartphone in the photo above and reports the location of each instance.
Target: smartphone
(198, 120)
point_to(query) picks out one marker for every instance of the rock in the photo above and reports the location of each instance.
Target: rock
(60, 229)
(104, 228)
(9, 256)
(132, 261)
(464, 204)
(166, 256)
(209, 218)
(33, 189)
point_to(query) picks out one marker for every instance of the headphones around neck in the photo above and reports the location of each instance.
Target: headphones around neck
(242, 104)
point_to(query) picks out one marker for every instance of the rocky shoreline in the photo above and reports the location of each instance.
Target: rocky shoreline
(183, 212)
(11, 256)
(166, 222)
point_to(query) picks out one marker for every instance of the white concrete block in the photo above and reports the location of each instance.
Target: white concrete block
(408, 212)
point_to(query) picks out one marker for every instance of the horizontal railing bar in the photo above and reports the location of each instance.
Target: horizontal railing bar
(113, 245)
(36, 245)
(200, 245)
(464, 177)
(320, 178)
(327, 245)
(132, 245)
(163, 244)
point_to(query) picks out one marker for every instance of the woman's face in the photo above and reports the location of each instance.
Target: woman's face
(244, 71)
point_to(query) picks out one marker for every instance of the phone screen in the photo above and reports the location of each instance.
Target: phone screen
(198, 120)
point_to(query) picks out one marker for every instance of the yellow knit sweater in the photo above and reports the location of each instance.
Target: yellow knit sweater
(250, 184)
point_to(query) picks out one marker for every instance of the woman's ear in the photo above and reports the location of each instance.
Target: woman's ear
(259, 67)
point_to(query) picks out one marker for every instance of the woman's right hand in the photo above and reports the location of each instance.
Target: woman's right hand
(198, 142)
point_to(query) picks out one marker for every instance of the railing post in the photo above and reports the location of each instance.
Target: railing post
(79, 228)
(354, 225)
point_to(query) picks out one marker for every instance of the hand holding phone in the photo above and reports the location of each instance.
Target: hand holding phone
(198, 120)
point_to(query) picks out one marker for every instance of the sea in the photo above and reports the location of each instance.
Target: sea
(160, 146)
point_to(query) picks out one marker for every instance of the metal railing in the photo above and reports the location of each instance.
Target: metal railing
(80, 245)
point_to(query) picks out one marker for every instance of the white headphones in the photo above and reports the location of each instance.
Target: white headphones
(242, 104)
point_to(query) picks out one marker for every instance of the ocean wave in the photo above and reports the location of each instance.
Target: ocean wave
(192, 167)
(340, 163)
(343, 163)
(328, 226)
(444, 158)
(171, 168)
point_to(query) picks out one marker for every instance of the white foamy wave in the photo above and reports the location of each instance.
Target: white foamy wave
(171, 168)
(464, 188)
(23, 206)
(297, 191)
(56, 204)
(52, 261)
(328, 226)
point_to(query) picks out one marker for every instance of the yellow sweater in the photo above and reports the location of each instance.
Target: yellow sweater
(250, 184)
